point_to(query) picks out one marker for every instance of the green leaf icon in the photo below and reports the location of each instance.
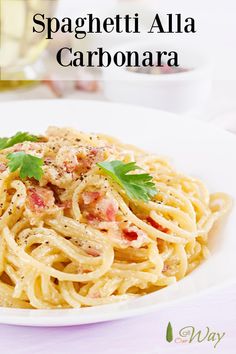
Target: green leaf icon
(169, 333)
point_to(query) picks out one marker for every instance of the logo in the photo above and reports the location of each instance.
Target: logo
(190, 334)
(169, 333)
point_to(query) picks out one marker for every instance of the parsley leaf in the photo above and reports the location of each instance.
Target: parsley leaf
(19, 137)
(137, 186)
(28, 165)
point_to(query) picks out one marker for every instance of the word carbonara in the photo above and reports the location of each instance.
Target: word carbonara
(74, 236)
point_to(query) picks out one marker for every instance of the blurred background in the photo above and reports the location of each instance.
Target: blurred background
(204, 87)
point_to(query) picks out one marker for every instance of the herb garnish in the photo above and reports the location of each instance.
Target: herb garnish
(136, 186)
(28, 165)
(18, 138)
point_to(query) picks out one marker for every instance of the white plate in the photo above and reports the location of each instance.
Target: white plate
(196, 148)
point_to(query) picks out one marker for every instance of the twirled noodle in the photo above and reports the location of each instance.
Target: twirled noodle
(76, 239)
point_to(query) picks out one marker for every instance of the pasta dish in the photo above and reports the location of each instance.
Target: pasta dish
(86, 220)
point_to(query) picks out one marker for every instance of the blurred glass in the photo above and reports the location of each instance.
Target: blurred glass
(20, 48)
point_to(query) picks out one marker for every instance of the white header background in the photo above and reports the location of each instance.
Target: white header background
(215, 21)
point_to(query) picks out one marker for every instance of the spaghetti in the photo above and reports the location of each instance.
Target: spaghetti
(75, 238)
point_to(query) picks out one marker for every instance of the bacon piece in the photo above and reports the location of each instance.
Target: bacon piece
(99, 208)
(79, 161)
(70, 166)
(67, 159)
(67, 204)
(130, 235)
(133, 233)
(86, 161)
(92, 218)
(111, 212)
(157, 226)
(107, 209)
(40, 199)
(3, 167)
(91, 197)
